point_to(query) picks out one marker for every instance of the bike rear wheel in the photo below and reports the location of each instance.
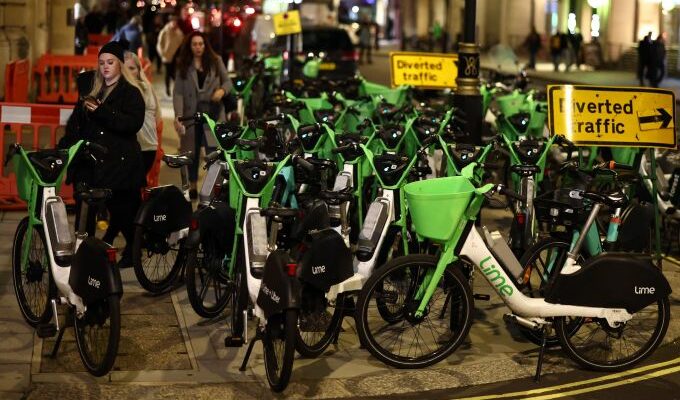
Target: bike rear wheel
(596, 345)
(33, 283)
(155, 262)
(98, 334)
(318, 322)
(208, 287)
(279, 348)
(410, 341)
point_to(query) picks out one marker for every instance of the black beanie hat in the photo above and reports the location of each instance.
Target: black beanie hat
(115, 48)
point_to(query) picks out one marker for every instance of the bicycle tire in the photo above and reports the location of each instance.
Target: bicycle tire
(163, 281)
(279, 348)
(311, 320)
(96, 315)
(201, 271)
(460, 320)
(392, 247)
(37, 311)
(240, 296)
(580, 354)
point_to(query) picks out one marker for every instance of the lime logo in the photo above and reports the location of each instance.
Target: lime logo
(503, 288)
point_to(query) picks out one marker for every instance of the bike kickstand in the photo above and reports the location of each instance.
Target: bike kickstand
(541, 353)
(57, 343)
(258, 336)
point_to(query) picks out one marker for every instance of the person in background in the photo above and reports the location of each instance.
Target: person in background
(533, 43)
(151, 35)
(365, 44)
(556, 47)
(644, 53)
(111, 114)
(201, 83)
(657, 61)
(132, 32)
(81, 39)
(169, 41)
(575, 41)
(147, 136)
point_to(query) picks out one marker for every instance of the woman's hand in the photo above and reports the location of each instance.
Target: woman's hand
(218, 94)
(91, 104)
(179, 127)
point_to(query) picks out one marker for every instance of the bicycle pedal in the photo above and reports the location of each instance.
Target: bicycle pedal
(482, 297)
(231, 341)
(46, 330)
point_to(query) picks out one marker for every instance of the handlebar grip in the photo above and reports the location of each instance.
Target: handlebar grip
(186, 119)
(304, 164)
(279, 212)
(613, 165)
(248, 143)
(212, 156)
(341, 149)
(97, 147)
(511, 193)
(308, 128)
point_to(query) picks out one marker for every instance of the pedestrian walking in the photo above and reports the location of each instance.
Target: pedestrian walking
(533, 44)
(556, 47)
(657, 66)
(644, 54)
(111, 114)
(169, 41)
(132, 32)
(575, 41)
(365, 42)
(202, 81)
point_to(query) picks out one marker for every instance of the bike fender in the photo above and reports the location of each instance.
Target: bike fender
(93, 276)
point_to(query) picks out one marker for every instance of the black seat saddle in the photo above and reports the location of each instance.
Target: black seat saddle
(178, 160)
(615, 199)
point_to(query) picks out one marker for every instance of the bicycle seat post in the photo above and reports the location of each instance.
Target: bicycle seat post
(184, 172)
(273, 233)
(573, 254)
(81, 232)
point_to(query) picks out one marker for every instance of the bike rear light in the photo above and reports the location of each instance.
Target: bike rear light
(111, 254)
(193, 224)
(217, 190)
(520, 218)
(291, 269)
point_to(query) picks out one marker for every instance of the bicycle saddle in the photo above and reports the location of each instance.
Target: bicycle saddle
(390, 135)
(178, 160)
(524, 170)
(615, 199)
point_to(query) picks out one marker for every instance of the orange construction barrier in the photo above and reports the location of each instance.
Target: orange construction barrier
(54, 77)
(34, 126)
(152, 176)
(16, 81)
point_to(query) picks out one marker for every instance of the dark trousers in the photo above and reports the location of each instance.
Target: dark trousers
(148, 158)
(123, 206)
(169, 75)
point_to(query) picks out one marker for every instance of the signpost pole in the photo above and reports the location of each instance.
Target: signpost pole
(467, 97)
(657, 217)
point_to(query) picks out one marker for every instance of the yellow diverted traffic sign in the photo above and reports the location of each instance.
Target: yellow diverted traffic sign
(612, 116)
(425, 70)
(287, 23)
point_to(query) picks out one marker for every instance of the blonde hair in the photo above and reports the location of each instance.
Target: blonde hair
(141, 78)
(126, 74)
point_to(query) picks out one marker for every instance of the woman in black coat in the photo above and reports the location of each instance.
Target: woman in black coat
(111, 115)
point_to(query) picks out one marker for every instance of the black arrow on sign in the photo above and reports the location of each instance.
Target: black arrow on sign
(664, 117)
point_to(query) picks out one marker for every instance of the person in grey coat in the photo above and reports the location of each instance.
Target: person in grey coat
(202, 81)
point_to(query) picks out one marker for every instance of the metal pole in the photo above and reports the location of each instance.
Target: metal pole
(468, 98)
(657, 217)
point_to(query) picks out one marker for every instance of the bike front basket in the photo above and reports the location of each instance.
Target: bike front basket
(437, 205)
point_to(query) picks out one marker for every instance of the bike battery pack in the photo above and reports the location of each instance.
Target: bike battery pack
(501, 251)
(376, 218)
(257, 242)
(61, 238)
(342, 183)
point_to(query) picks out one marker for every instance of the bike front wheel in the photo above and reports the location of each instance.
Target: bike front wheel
(279, 348)
(319, 322)
(98, 334)
(33, 283)
(411, 341)
(208, 287)
(598, 346)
